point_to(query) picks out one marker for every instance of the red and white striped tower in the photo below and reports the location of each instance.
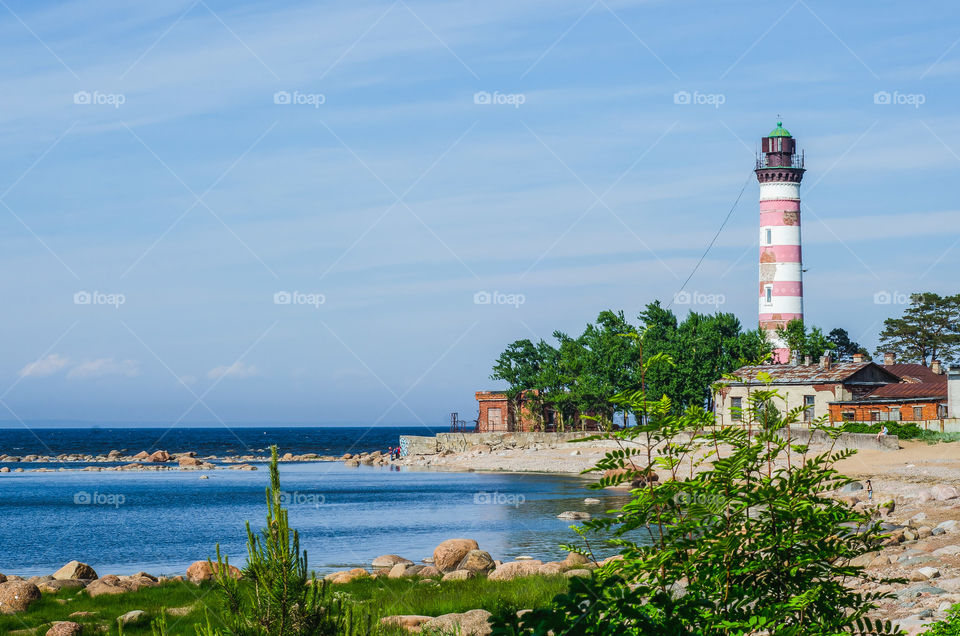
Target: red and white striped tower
(779, 171)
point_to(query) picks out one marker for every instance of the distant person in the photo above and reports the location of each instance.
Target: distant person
(869, 491)
(882, 433)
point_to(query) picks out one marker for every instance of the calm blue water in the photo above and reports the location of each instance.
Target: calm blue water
(161, 522)
(205, 441)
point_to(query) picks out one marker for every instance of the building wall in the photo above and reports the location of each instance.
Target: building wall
(863, 412)
(823, 394)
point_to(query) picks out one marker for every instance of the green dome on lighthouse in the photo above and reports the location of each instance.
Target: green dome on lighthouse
(779, 131)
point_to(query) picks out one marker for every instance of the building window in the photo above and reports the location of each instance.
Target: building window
(941, 411)
(895, 415)
(848, 416)
(736, 409)
(874, 416)
(768, 234)
(918, 413)
(808, 401)
(768, 293)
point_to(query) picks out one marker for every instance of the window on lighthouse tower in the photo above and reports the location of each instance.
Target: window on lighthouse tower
(768, 293)
(768, 233)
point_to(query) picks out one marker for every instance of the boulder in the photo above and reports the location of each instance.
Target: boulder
(942, 492)
(396, 572)
(17, 596)
(429, 572)
(477, 561)
(448, 554)
(351, 463)
(575, 558)
(55, 586)
(473, 623)
(574, 515)
(459, 575)
(516, 569)
(189, 462)
(205, 571)
(479, 448)
(110, 584)
(409, 622)
(553, 568)
(853, 486)
(387, 561)
(141, 455)
(132, 617)
(577, 573)
(75, 570)
(65, 628)
(591, 501)
(345, 576)
(159, 456)
(3, 578)
(947, 550)
(951, 525)
(928, 572)
(413, 570)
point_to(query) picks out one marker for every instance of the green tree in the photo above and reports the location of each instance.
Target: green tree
(804, 342)
(741, 538)
(843, 347)
(519, 366)
(928, 330)
(277, 594)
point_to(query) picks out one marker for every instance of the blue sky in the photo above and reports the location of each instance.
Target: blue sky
(186, 166)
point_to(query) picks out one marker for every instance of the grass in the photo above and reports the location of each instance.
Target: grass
(371, 599)
(903, 431)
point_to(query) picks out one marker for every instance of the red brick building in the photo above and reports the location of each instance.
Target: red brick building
(921, 395)
(498, 413)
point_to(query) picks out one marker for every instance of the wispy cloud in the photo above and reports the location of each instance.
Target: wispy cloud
(238, 369)
(45, 366)
(103, 367)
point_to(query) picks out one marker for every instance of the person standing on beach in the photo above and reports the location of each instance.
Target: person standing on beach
(869, 491)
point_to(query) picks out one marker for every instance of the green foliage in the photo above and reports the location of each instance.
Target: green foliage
(806, 342)
(949, 626)
(928, 330)
(843, 347)
(907, 430)
(742, 536)
(282, 597)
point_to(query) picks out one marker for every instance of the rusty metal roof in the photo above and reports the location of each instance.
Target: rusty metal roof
(804, 374)
(917, 381)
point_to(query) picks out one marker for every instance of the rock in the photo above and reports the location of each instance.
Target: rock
(141, 455)
(387, 561)
(345, 576)
(37, 580)
(396, 572)
(553, 568)
(924, 531)
(947, 550)
(4, 469)
(591, 501)
(65, 628)
(55, 586)
(409, 622)
(949, 526)
(863, 560)
(577, 573)
(477, 561)
(853, 486)
(575, 558)
(3, 579)
(17, 596)
(916, 519)
(412, 570)
(205, 571)
(941, 492)
(159, 456)
(180, 611)
(75, 570)
(110, 584)
(351, 463)
(515, 569)
(472, 623)
(448, 554)
(928, 572)
(132, 618)
(189, 462)
(459, 575)
(880, 561)
(574, 515)
(429, 572)
(82, 615)
(479, 448)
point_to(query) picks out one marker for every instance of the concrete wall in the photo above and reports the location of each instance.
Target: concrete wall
(953, 392)
(459, 442)
(794, 395)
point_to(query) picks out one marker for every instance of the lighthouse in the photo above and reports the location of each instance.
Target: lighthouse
(779, 170)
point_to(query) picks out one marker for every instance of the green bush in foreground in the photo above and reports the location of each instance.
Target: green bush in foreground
(740, 538)
(949, 626)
